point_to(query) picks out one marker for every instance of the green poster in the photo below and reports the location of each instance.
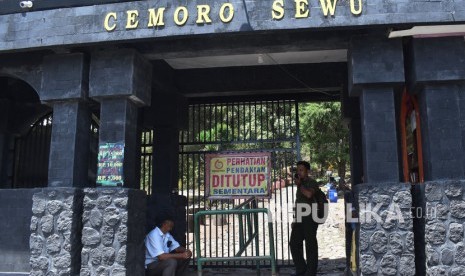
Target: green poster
(110, 164)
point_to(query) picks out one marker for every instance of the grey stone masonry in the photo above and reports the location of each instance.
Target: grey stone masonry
(55, 230)
(386, 242)
(113, 232)
(444, 230)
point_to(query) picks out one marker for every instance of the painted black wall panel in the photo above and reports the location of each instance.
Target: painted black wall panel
(14, 233)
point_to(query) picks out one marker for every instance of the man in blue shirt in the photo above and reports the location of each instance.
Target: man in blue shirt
(163, 255)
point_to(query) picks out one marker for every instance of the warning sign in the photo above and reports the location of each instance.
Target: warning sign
(238, 175)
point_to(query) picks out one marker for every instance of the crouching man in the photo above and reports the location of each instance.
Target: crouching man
(163, 254)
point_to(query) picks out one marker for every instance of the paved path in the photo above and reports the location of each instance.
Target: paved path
(264, 272)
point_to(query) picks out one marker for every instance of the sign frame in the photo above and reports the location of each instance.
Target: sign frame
(114, 163)
(208, 175)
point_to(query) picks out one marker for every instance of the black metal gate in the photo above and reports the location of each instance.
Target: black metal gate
(31, 155)
(270, 126)
(32, 151)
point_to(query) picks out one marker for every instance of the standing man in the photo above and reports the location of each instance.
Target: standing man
(163, 255)
(304, 228)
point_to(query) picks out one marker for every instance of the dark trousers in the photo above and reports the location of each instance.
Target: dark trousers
(304, 231)
(168, 267)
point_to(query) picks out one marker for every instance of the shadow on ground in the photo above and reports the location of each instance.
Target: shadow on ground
(329, 267)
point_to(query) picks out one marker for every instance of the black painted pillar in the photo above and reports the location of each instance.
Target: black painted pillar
(170, 115)
(65, 88)
(437, 75)
(120, 80)
(165, 160)
(376, 74)
(4, 141)
(376, 71)
(436, 71)
(167, 115)
(356, 160)
(351, 114)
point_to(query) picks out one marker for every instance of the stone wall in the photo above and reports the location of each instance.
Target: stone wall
(113, 232)
(445, 247)
(386, 245)
(55, 230)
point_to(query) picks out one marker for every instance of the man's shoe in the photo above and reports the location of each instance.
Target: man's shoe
(298, 274)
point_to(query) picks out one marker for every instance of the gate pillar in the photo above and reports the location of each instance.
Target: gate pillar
(351, 112)
(64, 87)
(385, 234)
(436, 70)
(166, 116)
(4, 139)
(120, 80)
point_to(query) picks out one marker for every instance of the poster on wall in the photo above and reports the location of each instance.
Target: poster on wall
(110, 164)
(238, 175)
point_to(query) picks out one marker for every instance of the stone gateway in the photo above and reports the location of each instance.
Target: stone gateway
(174, 82)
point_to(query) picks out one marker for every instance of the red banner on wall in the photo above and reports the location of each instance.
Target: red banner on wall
(238, 175)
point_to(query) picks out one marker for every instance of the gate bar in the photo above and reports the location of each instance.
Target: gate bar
(270, 257)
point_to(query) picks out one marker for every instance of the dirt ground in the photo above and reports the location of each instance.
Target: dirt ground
(220, 236)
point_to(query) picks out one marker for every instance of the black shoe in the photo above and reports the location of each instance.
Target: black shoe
(298, 274)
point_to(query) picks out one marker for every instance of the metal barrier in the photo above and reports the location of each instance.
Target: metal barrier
(246, 209)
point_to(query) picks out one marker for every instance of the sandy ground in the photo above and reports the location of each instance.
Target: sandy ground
(220, 237)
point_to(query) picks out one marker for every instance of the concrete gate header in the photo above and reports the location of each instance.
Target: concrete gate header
(151, 19)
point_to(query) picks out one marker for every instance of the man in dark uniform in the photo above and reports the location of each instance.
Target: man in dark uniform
(304, 228)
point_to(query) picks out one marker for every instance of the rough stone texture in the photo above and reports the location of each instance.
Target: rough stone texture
(113, 244)
(444, 235)
(432, 256)
(447, 256)
(55, 230)
(405, 265)
(435, 233)
(379, 242)
(456, 232)
(396, 243)
(457, 271)
(389, 264)
(369, 265)
(442, 211)
(457, 209)
(386, 243)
